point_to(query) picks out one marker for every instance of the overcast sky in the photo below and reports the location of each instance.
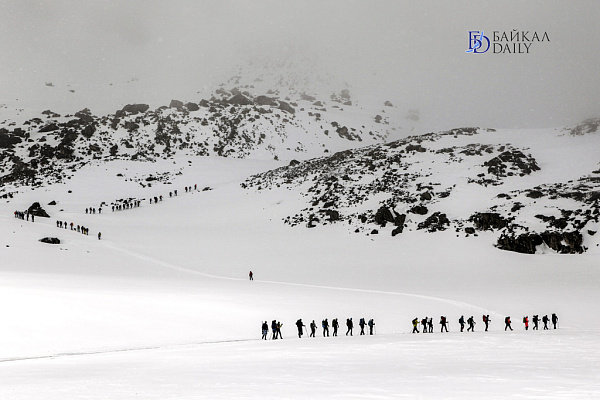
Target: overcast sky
(410, 52)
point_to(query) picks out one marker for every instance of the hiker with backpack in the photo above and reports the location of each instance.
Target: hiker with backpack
(278, 333)
(444, 322)
(507, 324)
(265, 330)
(486, 321)
(471, 322)
(362, 324)
(536, 321)
(313, 328)
(350, 325)
(371, 325)
(424, 324)
(274, 329)
(300, 325)
(335, 325)
(430, 324)
(545, 321)
(415, 323)
(325, 326)
(461, 321)
(554, 320)
(526, 322)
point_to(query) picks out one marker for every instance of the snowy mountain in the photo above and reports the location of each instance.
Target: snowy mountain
(467, 180)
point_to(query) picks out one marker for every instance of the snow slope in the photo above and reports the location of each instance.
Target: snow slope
(161, 307)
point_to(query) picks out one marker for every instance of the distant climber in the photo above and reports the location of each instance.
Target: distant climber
(362, 324)
(545, 321)
(350, 325)
(461, 321)
(526, 322)
(486, 321)
(507, 324)
(251, 275)
(335, 325)
(444, 322)
(471, 322)
(536, 321)
(313, 328)
(300, 325)
(554, 320)
(371, 325)
(265, 330)
(325, 326)
(415, 323)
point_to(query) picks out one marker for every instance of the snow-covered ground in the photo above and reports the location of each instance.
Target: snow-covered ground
(162, 307)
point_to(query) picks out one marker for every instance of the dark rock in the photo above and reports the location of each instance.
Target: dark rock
(192, 106)
(240, 100)
(591, 233)
(52, 203)
(561, 242)
(7, 141)
(204, 103)
(265, 101)
(470, 230)
(534, 194)
(37, 210)
(488, 221)
(374, 232)
(293, 163)
(388, 104)
(50, 240)
(286, 107)
(419, 210)
(132, 109)
(176, 104)
(49, 128)
(333, 215)
(435, 222)
(85, 115)
(89, 130)
(426, 196)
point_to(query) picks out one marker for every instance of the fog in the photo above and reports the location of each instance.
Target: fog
(103, 54)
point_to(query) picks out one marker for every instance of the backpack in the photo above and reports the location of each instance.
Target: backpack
(524, 319)
(484, 318)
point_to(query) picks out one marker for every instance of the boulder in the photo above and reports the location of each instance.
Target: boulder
(37, 210)
(50, 240)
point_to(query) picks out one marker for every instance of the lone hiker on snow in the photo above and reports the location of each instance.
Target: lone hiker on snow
(251, 275)
(300, 325)
(507, 324)
(471, 322)
(443, 322)
(486, 321)
(313, 328)
(265, 330)
(415, 323)
(350, 325)
(325, 325)
(362, 324)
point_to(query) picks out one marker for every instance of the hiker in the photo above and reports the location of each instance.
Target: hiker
(299, 325)
(251, 275)
(99, 235)
(371, 325)
(545, 321)
(443, 322)
(471, 322)
(274, 329)
(507, 324)
(424, 323)
(265, 330)
(554, 317)
(350, 325)
(415, 323)
(86, 210)
(362, 324)
(486, 321)
(526, 322)
(279, 325)
(461, 321)
(430, 324)
(335, 326)
(536, 321)
(325, 326)
(313, 328)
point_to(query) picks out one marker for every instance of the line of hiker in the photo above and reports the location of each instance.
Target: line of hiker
(24, 215)
(92, 210)
(276, 328)
(427, 323)
(120, 205)
(79, 228)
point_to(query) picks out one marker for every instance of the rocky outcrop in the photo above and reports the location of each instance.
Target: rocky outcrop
(488, 221)
(37, 210)
(561, 242)
(50, 240)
